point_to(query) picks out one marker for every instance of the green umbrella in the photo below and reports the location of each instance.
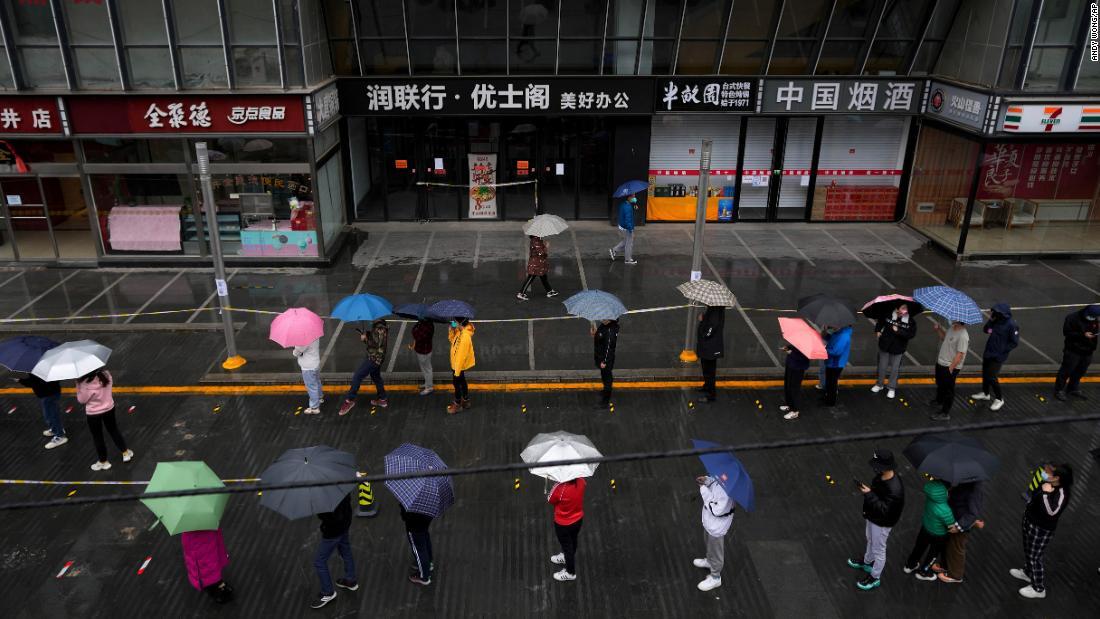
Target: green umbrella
(186, 513)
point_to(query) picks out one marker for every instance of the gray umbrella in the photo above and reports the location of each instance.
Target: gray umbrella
(310, 464)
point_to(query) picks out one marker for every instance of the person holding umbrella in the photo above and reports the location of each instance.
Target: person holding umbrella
(300, 329)
(334, 536)
(538, 257)
(422, 500)
(626, 229)
(838, 343)
(568, 500)
(953, 346)
(725, 486)
(805, 343)
(1004, 337)
(93, 390)
(309, 361)
(461, 336)
(49, 397)
(1047, 504)
(605, 337)
(883, 502)
(936, 523)
(709, 346)
(965, 501)
(893, 333)
(1080, 330)
(376, 340)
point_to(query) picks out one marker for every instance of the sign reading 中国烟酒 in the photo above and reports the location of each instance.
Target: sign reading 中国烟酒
(186, 114)
(959, 105)
(483, 191)
(1050, 117)
(706, 94)
(842, 96)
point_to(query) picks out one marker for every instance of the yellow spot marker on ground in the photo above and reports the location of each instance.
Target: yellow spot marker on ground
(297, 412)
(217, 409)
(523, 408)
(613, 484)
(691, 404)
(612, 409)
(260, 493)
(515, 484)
(70, 494)
(373, 410)
(1042, 399)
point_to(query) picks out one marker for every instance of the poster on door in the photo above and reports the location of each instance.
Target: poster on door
(1048, 171)
(483, 191)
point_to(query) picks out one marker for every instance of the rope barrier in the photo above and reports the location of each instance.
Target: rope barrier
(522, 466)
(508, 184)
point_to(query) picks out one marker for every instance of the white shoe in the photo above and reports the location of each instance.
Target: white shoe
(876, 388)
(101, 466)
(791, 416)
(890, 393)
(1019, 574)
(702, 564)
(710, 582)
(784, 408)
(996, 405)
(564, 576)
(630, 262)
(57, 441)
(612, 252)
(426, 390)
(819, 387)
(979, 396)
(128, 455)
(1029, 592)
(558, 559)
(312, 411)
(47, 432)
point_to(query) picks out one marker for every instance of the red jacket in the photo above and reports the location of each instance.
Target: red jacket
(568, 501)
(204, 555)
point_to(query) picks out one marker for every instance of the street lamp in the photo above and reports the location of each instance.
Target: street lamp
(688, 354)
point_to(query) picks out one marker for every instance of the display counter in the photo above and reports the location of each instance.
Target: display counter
(261, 240)
(683, 208)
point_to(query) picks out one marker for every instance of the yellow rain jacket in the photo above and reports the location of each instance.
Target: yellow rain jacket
(462, 348)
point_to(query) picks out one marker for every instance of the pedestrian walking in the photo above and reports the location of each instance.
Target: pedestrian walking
(309, 361)
(718, 510)
(423, 332)
(49, 397)
(376, 340)
(794, 370)
(893, 333)
(965, 501)
(955, 341)
(936, 523)
(709, 347)
(567, 498)
(1080, 329)
(205, 556)
(883, 502)
(461, 336)
(605, 338)
(420, 542)
(1004, 337)
(538, 265)
(626, 231)
(334, 537)
(93, 390)
(838, 343)
(1047, 504)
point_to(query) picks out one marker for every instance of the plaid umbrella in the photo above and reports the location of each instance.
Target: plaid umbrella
(952, 304)
(595, 305)
(711, 294)
(545, 225)
(430, 496)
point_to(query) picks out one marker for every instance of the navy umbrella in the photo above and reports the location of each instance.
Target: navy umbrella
(417, 311)
(630, 188)
(730, 473)
(430, 496)
(311, 464)
(452, 308)
(22, 353)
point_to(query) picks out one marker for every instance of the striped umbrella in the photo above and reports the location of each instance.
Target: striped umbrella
(430, 496)
(952, 304)
(595, 305)
(711, 294)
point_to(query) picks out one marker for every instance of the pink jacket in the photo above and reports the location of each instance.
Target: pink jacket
(204, 555)
(95, 396)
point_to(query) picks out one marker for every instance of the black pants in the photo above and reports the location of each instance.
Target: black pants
(991, 369)
(420, 542)
(926, 550)
(531, 279)
(96, 423)
(832, 383)
(607, 379)
(710, 371)
(1074, 366)
(462, 390)
(792, 387)
(945, 387)
(567, 537)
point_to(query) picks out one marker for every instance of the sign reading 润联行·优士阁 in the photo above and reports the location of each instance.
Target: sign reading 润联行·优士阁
(843, 96)
(512, 95)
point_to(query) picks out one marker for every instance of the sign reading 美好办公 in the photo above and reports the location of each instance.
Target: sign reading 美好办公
(706, 94)
(842, 96)
(959, 105)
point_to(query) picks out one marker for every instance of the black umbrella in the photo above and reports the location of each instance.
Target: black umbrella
(826, 310)
(309, 464)
(882, 307)
(952, 457)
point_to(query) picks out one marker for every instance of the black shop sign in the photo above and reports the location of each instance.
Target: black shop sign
(705, 94)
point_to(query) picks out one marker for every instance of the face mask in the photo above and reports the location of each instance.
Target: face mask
(1044, 475)
(634, 200)
(454, 324)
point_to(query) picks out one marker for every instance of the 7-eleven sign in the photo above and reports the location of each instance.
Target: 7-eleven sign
(1045, 118)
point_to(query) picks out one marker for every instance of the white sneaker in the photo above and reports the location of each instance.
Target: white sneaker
(612, 252)
(876, 388)
(702, 564)
(630, 262)
(128, 455)
(426, 390)
(558, 559)
(1019, 574)
(1029, 592)
(979, 396)
(101, 466)
(819, 387)
(47, 432)
(312, 411)
(890, 393)
(791, 416)
(784, 408)
(996, 405)
(564, 576)
(710, 582)
(57, 441)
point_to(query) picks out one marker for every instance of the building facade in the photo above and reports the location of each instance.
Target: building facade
(969, 120)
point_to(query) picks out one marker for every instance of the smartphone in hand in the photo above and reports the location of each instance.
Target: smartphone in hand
(859, 484)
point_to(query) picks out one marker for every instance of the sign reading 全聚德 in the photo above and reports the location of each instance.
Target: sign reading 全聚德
(842, 96)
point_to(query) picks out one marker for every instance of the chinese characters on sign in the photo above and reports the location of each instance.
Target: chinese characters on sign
(483, 190)
(959, 105)
(405, 97)
(326, 105)
(706, 96)
(1039, 171)
(29, 115)
(186, 114)
(842, 96)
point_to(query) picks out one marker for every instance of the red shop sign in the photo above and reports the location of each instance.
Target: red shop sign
(186, 114)
(29, 115)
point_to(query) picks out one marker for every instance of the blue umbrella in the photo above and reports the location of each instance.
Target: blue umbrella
(595, 305)
(630, 188)
(450, 308)
(430, 496)
(728, 470)
(417, 311)
(949, 303)
(20, 354)
(362, 307)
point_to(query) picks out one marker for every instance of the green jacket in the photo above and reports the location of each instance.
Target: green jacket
(937, 515)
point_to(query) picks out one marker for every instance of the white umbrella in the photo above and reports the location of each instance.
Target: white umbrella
(560, 446)
(545, 225)
(71, 360)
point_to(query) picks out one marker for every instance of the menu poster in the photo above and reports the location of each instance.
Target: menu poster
(1039, 171)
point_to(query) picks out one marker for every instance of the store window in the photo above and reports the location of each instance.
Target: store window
(859, 168)
(269, 215)
(199, 36)
(940, 183)
(91, 45)
(244, 149)
(128, 150)
(330, 193)
(799, 30)
(145, 42)
(145, 213)
(35, 38)
(676, 143)
(39, 151)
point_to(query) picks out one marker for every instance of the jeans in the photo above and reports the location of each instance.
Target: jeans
(567, 537)
(888, 365)
(792, 387)
(531, 279)
(462, 390)
(716, 554)
(312, 380)
(51, 412)
(710, 371)
(990, 385)
(832, 383)
(626, 244)
(425, 363)
(875, 553)
(96, 423)
(1074, 366)
(607, 379)
(926, 550)
(367, 368)
(324, 551)
(421, 544)
(945, 387)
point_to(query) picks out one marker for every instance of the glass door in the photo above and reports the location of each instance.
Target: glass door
(69, 217)
(793, 179)
(519, 146)
(756, 175)
(31, 228)
(557, 170)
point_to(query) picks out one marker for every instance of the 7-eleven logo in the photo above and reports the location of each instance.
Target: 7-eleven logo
(1051, 117)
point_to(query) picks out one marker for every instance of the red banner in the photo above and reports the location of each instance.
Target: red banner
(1039, 171)
(29, 115)
(186, 114)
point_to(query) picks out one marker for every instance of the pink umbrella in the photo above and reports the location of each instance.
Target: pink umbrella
(296, 327)
(802, 336)
(882, 307)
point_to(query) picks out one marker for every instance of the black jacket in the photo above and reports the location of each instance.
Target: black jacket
(709, 340)
(966, 501)
(1045, 508)
(1074, 329)
(796, 360)
(1004, 334)
(604, 343)
(41, 388)
(895, 342)
(338, 521)
(883, 504)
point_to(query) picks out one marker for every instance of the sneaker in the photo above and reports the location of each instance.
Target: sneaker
(454, 407)
(860, 565)
(876, 388)
(819, 387)
(346, 407)
(1079, 396)
(558, 559)
(1029, 592)
(564, 576)
(909, 570)
(128, 455)
(947, 579)
(784, 408)
(979, 396)
(938, 569)
(521, 296)
(417, 580)
(630, 262)
(702, 564)
(47, 432)
(923, 575)
(710, 582)
(890, 393)
(791, 416)
(57, 441)
(869, 582)
(996, 405)
(612, 252)
(426, 390)
(383, 403)
(1019, 574)
(1060, 396)
(101, 466)
(312, 411)
(551, 293)
(350, 585)
(322, 599)
(940, 417)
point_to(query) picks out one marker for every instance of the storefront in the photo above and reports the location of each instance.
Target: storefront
(106, 178)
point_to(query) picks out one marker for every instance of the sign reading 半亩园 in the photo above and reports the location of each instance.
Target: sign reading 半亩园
(483, 191)
(842, 96)
(1050, 117)
(959, 105)
(706, 94)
